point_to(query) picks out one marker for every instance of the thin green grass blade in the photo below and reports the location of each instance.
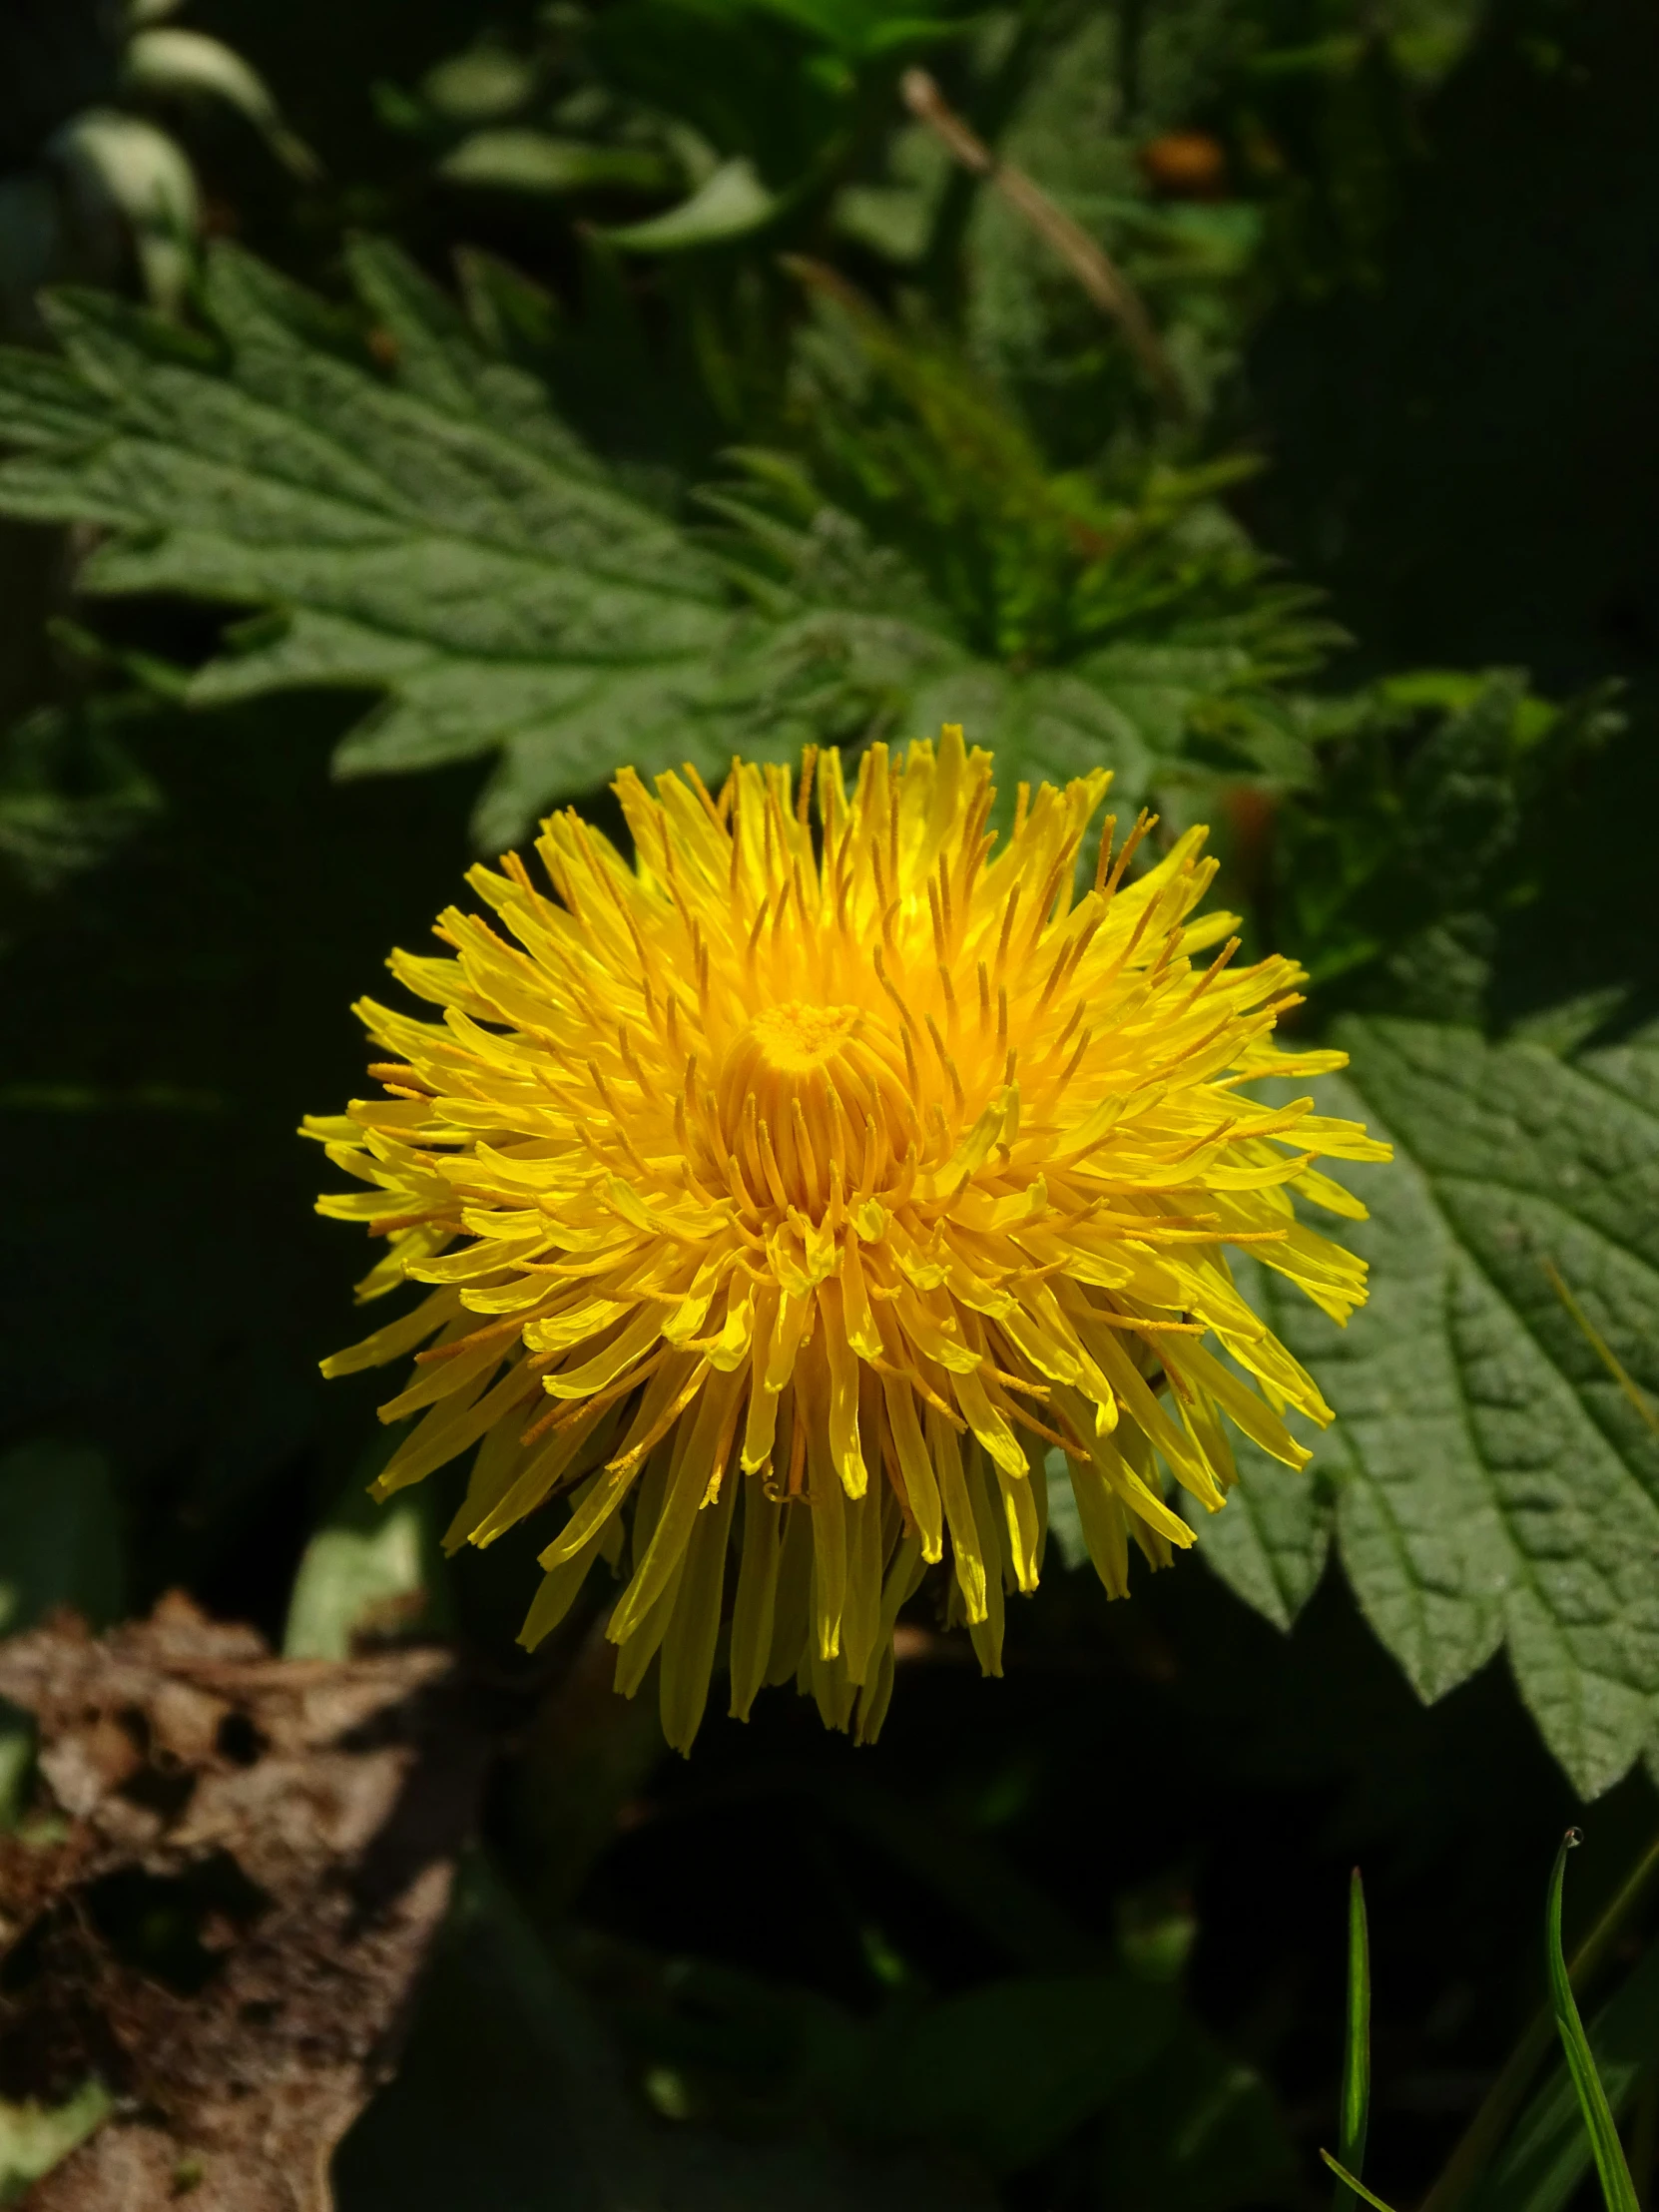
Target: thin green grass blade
(1354, 2183)
(1548, 2159)
(1617, 2188)
(1355, 2106)
(1501, 2104)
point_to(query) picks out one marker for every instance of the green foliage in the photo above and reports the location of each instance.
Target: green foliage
(1312, 111)
(1494, 1484)
(440, 536)
(514, 2092)
(1197, 2132)
(920, 2100)
(368, 1574)
(730, 203)
(1035, 566)
(94, 110)
(33, 2137)
(59, 1543)
(922, 549)
(69, 791)
(437, 533)
(741, 112)
(1095, 88)
(1571, 2123)
(1438, 815)
(1010, 2070)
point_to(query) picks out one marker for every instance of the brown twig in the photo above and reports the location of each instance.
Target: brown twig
(1093, 267)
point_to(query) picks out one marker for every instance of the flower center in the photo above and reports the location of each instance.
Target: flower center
(794, 1037)
(797, 1097)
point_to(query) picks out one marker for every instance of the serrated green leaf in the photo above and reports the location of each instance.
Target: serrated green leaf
(1270, 1543)
(410, 518)
(1496, 1487)
(437, 536)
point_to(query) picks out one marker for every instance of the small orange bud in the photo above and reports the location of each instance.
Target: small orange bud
(1185, 165)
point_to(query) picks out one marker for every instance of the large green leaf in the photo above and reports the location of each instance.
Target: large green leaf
(412, 519)
(434, 534)
(1496, 1458)
(1271, 1543)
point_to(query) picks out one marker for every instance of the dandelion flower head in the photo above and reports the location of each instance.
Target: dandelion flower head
(785, 1199)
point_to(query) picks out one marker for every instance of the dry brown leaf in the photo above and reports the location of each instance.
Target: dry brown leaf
(227, 1917)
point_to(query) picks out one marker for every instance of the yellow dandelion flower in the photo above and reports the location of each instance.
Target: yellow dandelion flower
(788, 1197)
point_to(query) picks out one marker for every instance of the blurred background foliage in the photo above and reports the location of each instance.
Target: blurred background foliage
(459, 400)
